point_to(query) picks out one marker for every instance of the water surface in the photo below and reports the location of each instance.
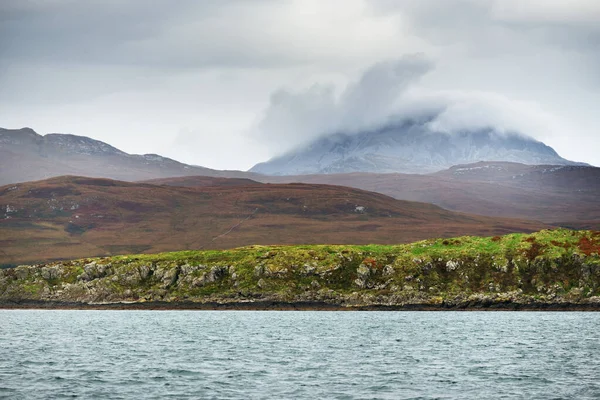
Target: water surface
(278, 354)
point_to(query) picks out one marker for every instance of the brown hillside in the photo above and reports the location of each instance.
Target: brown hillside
(202, 181)
(69, 217)
(561, 195)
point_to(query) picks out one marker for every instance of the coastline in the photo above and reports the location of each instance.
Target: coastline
(292, 306)
(547, 270)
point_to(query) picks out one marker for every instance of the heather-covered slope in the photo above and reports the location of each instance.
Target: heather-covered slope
(71, 217)
(562, 195)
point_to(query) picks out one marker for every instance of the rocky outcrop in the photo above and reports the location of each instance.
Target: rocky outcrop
(549, 269)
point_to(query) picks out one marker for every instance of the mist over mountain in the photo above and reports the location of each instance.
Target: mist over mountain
(385, 121)
(408, 147)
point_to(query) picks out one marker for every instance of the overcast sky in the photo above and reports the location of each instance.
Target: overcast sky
(227, 84)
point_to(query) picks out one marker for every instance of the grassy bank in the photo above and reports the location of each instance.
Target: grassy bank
(545, 268)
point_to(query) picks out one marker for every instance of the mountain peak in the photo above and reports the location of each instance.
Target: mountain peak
(80, 144)
(408, 147)
(18, 136)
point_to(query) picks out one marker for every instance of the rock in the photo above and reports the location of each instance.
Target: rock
(159, 273)
(84, 277)
(94, 270)
(360, 283)
(198, 282)
(216, 273)
(261, 283)
(388, 270)
(144, 271)
(21, 272)
(315, 285)
(170, 277)
(451, 265)
(259, 270)
(49, 273)
(363, 271)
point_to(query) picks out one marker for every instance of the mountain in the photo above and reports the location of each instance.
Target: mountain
(69, 217)
(409, 147)
(564, 195)
(26, 156)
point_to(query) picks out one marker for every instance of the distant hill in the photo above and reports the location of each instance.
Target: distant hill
(201, 181)
(70, 217)
(560, 195)
(26, 156)
(409, 147)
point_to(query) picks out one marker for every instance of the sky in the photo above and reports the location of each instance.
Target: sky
(227, 84)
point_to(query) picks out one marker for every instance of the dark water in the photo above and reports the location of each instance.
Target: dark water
(253, 354)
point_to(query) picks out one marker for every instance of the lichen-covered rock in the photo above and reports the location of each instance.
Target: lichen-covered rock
(363, 271)
(259, 270)
(170, 276)
(51, 273)
(388, 270)
(360, 283)
(216, 273)
(21, 272)
(94, 270)
(144, 272)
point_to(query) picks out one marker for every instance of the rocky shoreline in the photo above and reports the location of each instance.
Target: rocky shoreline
(548, 270)
(298, 306)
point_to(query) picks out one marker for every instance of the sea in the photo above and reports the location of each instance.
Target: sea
(94, 354)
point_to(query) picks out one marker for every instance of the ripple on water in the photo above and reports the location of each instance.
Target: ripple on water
(254, 354)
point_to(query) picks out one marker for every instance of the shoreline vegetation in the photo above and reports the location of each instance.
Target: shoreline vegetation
(550, 270)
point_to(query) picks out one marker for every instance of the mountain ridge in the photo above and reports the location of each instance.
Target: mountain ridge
(28, 156)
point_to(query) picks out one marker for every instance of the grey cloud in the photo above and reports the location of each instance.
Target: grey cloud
(373, 97)
(180, 34)
(492, 26)
(296, 118)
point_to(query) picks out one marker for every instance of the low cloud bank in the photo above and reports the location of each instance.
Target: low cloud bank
(390, 92)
